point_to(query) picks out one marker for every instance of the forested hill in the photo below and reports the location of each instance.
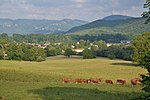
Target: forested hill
(28, 26)
(107, 25)
(117, 17)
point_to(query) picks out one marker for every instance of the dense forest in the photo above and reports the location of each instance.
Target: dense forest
(125, 26)
(64, 38)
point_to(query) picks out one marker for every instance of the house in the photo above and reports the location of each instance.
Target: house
(78, 50)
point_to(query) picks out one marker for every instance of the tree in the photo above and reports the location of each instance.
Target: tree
(101, 44)
(1, 54)
(145, 63)
(116, 51)
(68, 52)
(143, 58)
(141, 44)
(142, 48)
(51, 51)
(24, 52)
(39, 53)
(88, 54)
(14, 52)
(146, 14)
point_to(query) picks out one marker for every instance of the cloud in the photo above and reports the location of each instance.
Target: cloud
(79, 1)
(76, 9)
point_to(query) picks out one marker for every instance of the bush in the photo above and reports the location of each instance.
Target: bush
(88, 54)
(111, 56)
(40, 59)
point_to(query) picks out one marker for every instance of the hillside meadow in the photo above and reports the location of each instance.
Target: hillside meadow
(22, 80)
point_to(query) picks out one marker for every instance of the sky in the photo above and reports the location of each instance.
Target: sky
(88, 10)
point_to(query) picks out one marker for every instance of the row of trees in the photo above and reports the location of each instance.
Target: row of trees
(25, 52)
(119, 52)
(64, 38)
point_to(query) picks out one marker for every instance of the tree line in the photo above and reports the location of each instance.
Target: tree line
(64, 38)
(27, 52)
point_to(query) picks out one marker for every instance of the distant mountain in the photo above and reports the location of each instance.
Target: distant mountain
(27, 26)
(117, 17)
(117, 25)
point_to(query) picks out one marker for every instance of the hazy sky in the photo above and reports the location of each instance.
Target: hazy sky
(88, 10)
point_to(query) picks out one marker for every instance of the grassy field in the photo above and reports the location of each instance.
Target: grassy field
(20, 80)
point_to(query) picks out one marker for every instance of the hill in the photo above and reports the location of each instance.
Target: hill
(117, 17)
(28, 26)
(114, 25)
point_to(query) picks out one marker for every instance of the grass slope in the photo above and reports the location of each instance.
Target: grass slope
(21, 80)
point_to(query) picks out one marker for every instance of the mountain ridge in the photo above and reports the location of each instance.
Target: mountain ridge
(28, 26)
(117, 17)
(130, 25)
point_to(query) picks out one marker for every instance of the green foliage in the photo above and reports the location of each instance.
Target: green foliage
(24, 52)
(1, 54)
(108, 38)
(145, 63)
(101, 44)
(146, 14)
(4, 38)
(119, 52)
(42, 38)
(68, 52)
(64, 38)
(142, 97)
(88, 54)
(141, 44)
(53, 51)
(129, 26)
(39, 59)
(14, 52)
(111, 56)
(141, 47)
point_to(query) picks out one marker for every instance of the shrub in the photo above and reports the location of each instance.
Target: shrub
(39, 59)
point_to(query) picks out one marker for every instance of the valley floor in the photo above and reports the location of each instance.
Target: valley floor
(21, 80)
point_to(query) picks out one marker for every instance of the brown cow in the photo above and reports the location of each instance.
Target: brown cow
(87, 81)
(119, 81)
(136, 81)
(67, 80)
(109, 81)
(95, 80)
(79, 80)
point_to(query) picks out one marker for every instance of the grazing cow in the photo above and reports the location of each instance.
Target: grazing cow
(86, 80)
(95, 80)
(109, 81)
(79, 80)
(119, 81)
(136, 81)
(67, 80)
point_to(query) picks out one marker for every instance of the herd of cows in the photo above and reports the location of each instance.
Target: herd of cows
(134, 81)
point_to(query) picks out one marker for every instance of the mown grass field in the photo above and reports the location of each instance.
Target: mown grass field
(20, 80)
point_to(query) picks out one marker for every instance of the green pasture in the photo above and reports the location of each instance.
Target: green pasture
(21, 80)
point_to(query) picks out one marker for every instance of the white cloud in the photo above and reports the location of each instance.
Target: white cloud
(76, 9)
(79, 1)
